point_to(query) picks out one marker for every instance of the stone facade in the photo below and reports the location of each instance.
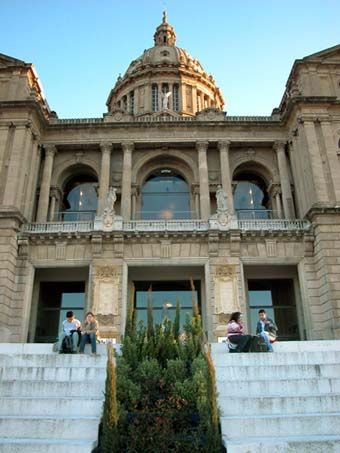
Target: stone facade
(294, 152)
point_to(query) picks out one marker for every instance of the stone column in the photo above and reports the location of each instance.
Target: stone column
(278, 204)
(29, 196)
(126, 180)
(54, 197)
(287, 197)
(44, 196)
(223, 146)
(196, 199)
(104, 182)
(202, 147)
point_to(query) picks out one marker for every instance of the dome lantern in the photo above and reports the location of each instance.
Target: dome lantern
(164, 34)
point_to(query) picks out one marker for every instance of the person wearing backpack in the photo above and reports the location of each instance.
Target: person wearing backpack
(266, 329)
(71, 328)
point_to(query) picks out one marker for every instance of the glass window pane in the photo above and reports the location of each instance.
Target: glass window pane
(83, 197)
(260, 298)
(72, 300)
(164, 301)
(165, 197)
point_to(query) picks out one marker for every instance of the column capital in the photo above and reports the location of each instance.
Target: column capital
(223, 145)
(202, 145)
(106, 147)
(128, 146)
(56, 192)
(50, 149)
(279, 145)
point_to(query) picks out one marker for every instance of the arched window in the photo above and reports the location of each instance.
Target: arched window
(80, 199)
(155, 97)
(124, 100)
(251, 197)
(165, 195)
(131, 102)
(175, 97)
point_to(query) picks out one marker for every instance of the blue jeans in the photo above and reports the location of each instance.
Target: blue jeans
(266, 340)
(88, 338)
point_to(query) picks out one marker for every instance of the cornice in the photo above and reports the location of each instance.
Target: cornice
(296, 101)
(31, 104)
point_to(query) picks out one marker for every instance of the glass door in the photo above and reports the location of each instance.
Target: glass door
(277, 297)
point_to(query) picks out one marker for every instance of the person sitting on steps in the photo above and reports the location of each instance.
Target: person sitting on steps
(235, 333)
(89, 332)
(71, 327)
(266, 329)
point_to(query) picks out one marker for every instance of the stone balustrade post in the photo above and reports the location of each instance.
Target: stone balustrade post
(44, 197)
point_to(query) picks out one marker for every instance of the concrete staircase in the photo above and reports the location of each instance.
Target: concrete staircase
(49, 402)
(287, 401)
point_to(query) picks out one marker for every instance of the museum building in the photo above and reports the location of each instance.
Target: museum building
(167, 190)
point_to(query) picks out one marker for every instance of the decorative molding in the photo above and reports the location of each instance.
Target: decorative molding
(107, 272)
(60, 250)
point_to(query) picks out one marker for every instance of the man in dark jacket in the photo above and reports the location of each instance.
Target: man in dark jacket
(267, 329)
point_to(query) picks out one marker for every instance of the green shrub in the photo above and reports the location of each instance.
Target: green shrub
(162, 397)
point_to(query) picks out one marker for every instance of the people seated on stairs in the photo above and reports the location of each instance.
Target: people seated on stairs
(71, 327)
(235, 333)
(266, 329)
(89, 331)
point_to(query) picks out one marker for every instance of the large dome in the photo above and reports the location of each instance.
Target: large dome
(165, 78)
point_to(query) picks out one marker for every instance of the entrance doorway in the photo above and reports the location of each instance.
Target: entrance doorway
(55, 299)
(277, 297)
(164, 296)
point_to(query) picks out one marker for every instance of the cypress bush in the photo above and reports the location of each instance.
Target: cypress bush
(161, 395)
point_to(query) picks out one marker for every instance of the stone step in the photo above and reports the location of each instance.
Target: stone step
(257, 359)
(45, 348)
(52, 373)
(281, 425)
(49, 406)
(52, 360)
(293, 346)
(48, 388)
(267, 405)
(283, 387)
(46, 446)
(270, 372)
(85, 428)
(291, 444)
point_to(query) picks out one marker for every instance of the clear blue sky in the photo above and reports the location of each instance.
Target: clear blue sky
(80, 46)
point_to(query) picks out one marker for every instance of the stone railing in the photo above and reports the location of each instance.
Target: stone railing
(170, 225)
(166, 119)
(58, 227)
(271, 225)
(166, 225)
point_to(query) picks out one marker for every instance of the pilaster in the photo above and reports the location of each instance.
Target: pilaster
(202, 147)
(50, 151)
(104, 182)
(126, 180)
